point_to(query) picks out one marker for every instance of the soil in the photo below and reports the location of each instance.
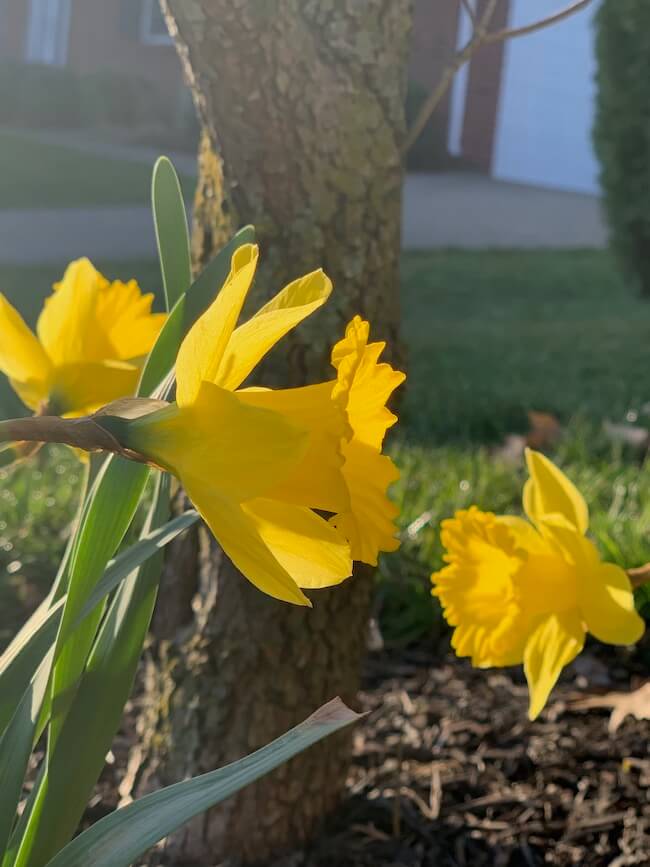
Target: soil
(449, 772)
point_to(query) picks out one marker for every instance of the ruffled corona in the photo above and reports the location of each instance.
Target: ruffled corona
(367, 385)
(91, 339)
(519, 592)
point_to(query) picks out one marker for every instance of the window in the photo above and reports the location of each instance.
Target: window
(153, 29)
(47, 32)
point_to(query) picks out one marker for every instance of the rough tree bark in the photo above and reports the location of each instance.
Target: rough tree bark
(301, 103)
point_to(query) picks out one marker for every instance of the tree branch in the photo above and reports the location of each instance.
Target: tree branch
(480, 36)
(514, 32)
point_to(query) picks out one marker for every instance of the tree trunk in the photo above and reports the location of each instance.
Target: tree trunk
(301, 103)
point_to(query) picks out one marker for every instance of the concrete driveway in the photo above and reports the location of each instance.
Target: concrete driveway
(440, 210)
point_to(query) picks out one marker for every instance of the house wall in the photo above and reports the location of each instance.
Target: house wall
(13, 28)
(433, 43)
(482, 96)
(99, 40)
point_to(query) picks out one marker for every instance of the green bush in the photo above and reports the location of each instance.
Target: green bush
(622, 130)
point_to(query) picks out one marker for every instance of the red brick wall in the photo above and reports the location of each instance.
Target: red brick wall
(482, 99)
(435, 26)
(13, 27)
(97, 41)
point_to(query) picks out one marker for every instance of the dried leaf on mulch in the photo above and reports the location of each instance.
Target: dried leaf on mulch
(622, 704)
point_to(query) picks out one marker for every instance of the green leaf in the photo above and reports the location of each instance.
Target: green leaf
(22, 657)
(120, 838)
(109, 511)
(186, 311)
(95, 712)
(16, 747)
(19, 662)
(172, 234)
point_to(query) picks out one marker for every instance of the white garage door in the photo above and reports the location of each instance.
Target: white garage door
(543, 134)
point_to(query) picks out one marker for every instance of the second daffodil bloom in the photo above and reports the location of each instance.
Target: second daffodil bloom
(91, 339)
(520, 591)
(257, 463)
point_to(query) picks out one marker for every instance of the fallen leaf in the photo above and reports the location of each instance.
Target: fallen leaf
(639, 575)
(623, 704)
(545, 430)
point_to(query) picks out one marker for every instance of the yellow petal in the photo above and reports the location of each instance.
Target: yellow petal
(311, 551)
(317, 482)
(126, 315)
(252, 340)
(368, 384)
(557, 639)
(220, 443)
(606, 603)
(369, 525)
(81, 388)
(68, 326)
(239, 537)
(22, 358)
(201, 352)
(549, 491)
(527, 537)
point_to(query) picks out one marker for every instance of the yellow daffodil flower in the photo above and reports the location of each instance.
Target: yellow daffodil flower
(258, 462)
(93, 336)
(520, 591)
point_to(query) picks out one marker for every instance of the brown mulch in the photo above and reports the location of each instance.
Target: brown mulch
(449, 772)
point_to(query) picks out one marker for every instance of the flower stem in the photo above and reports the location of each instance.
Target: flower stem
(81, 433)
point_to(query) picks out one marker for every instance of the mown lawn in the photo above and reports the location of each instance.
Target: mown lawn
(489, 337)
(42, 175)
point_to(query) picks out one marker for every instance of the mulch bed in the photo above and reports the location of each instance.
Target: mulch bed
(449, 772)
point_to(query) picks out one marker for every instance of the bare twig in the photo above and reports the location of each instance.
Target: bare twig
(514, 32)
(480, 36)
(470, 11)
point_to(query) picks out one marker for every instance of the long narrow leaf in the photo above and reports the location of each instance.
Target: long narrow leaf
(111, 507)
(16, 747)
(26, 650)
(172, 234)
(17, 668)
(96, 710)
(118, 839)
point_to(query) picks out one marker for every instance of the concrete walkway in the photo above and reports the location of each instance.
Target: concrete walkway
(441, 210)
(473, 211)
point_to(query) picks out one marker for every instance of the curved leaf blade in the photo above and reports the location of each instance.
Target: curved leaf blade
(120, 838)
(172, 235)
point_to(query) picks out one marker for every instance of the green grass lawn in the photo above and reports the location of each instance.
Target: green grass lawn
(43, 175)
(489, 337)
